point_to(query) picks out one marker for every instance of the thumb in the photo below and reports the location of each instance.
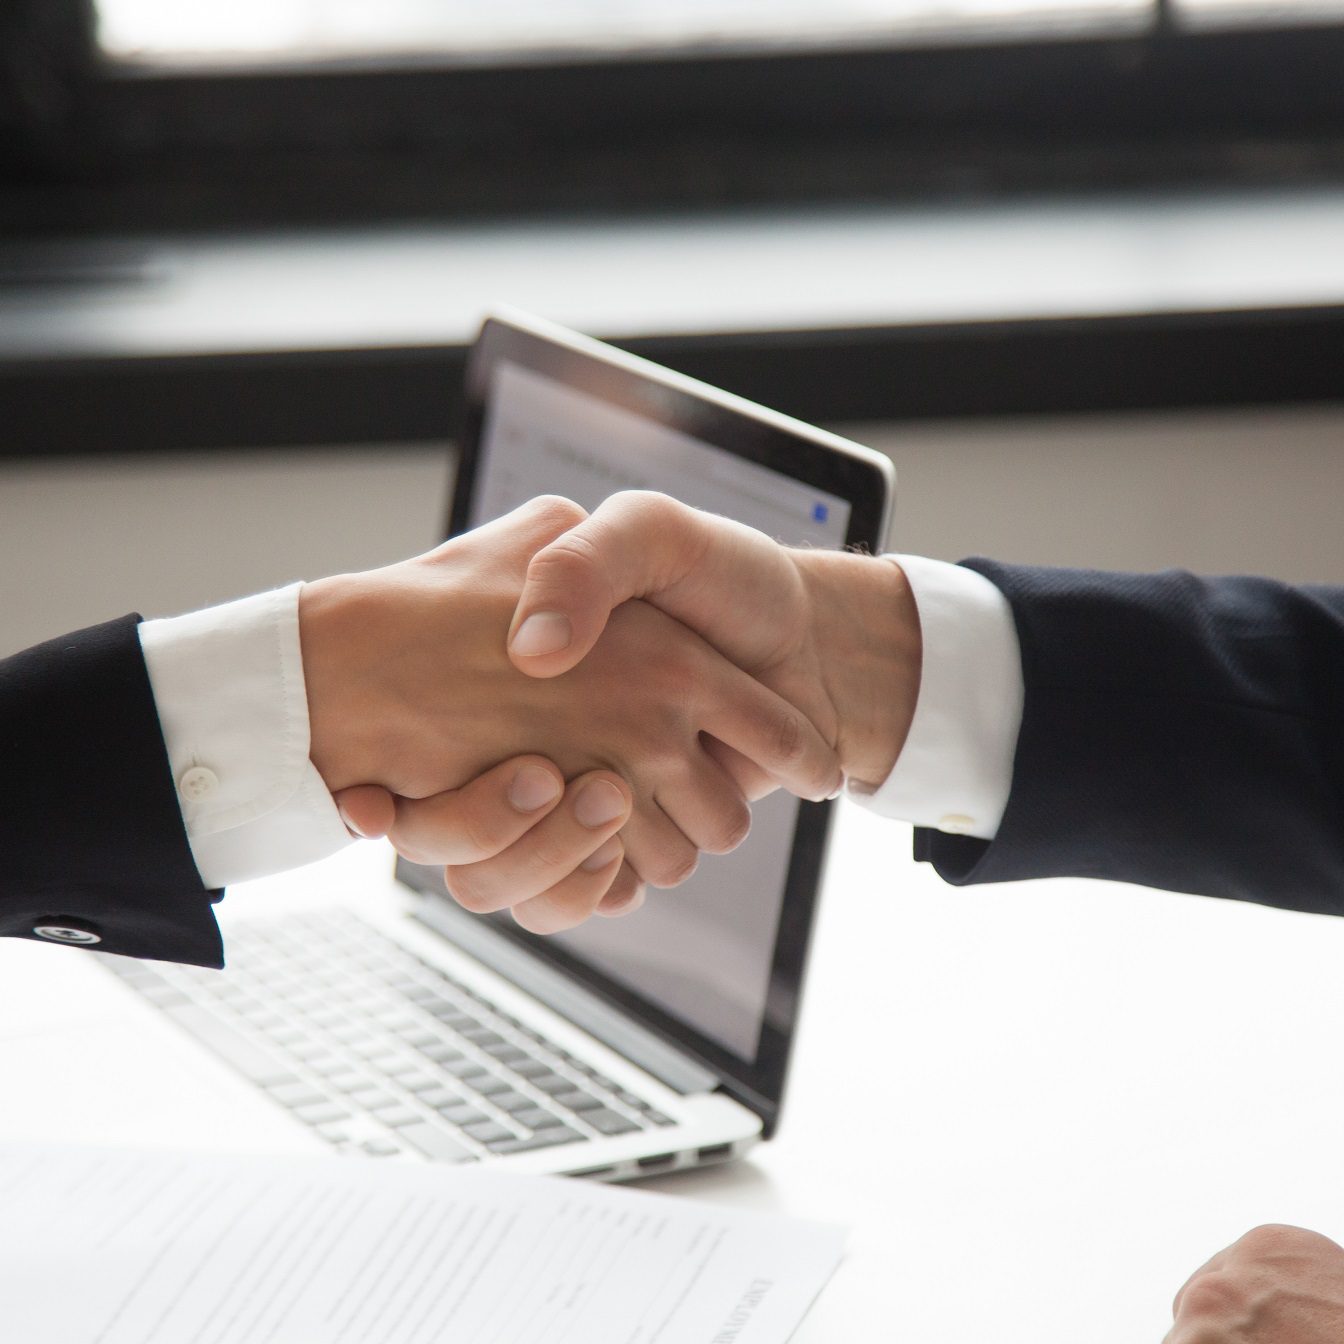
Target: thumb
(637, 544)
(367, 810)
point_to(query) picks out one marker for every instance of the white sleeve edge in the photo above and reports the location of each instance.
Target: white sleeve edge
(956, 768)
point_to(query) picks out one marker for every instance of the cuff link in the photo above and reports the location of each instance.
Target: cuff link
(197, 784)
(75, 932)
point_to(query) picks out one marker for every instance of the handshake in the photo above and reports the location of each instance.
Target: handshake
(561, 708)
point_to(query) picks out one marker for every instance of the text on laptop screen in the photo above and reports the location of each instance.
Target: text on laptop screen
(703, 952)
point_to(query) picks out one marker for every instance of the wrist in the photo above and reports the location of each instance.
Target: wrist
(349, 728)
(870, 651)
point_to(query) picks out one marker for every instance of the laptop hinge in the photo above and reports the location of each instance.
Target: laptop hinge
(585, 1009)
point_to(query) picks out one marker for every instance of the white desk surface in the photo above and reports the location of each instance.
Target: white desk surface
(1077, 1092)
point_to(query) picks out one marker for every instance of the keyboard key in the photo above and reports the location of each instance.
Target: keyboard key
(440, 1052)
(436, 1144)
(419, 1037)
(321, 1114)
(530, 1068)
(576, 1101)
(489, 1086)
(512, 1102)
(552, 1083)
(251, 1060)
(461, 1114)
(397, 1119)
(536, 1118)
(481, 1034)
(374, 1099)
(487, 1131)
(329, 1066)
(610, 1122)
(505, 1052)
(546, 1138)
(380, 1148)
(297, 1094)
(440, 1097)
(463, 1068)
(419, 1082)
(351, 1081)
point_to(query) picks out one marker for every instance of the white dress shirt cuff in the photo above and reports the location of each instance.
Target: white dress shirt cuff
(956, 768)
(228, 685)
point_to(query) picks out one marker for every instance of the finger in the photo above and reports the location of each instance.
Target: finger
(624, 896)
(481, 819)
(1210, 1266)
(572, 900)
(569, 840)
(766, 729)
(659, 851)
(367, 810)
(637, 543)
(749, 777)
(705, 804)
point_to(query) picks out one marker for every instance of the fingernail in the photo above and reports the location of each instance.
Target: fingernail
(532, 788)
(600, 803)
(350, 825)
(542, 632)
(602, 855)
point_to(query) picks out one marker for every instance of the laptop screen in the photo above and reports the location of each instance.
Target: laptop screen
(702, 953)
(716, 965)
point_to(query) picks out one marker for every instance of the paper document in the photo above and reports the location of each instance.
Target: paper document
(114, 1247)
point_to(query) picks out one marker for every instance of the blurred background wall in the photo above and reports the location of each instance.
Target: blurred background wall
(1074, 264)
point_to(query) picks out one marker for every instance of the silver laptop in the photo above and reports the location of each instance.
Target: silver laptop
(377, 1017)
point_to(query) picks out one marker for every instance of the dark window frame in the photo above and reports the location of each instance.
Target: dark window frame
(128, 147)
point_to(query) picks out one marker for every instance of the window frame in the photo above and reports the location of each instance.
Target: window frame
(150, 147)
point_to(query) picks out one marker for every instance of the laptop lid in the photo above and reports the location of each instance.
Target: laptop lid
(715, 968)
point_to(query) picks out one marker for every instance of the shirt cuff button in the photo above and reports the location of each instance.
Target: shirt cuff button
(58, 930)
(956, 823)
(197, 783)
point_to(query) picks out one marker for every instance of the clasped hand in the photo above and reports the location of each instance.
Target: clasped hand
(419, 714)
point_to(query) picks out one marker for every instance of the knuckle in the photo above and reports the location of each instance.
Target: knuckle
(569, 560)
(732, 829)
(788, 737)
(624, 894)
(466, 888)
(551, 859)
(1269, 1238)
(648, 507)
(480, 829)
(1212, 1296)
(555, 511)
(674, 867)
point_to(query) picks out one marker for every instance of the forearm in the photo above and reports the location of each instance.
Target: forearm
(91, 837)
(1177, 732)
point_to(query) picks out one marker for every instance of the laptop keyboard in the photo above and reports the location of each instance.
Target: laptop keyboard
(380, 1052)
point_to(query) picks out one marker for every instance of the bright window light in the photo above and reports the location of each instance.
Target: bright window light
(285, 31)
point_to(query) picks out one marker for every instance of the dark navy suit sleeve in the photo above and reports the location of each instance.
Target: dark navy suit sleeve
(91, 833)
(1177, 732)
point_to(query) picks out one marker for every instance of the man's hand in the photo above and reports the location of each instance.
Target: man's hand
(1277, 1285)
(409, 688)
(833, 633)
(517, 836)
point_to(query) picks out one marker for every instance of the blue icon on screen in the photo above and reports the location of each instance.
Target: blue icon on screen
(820, 513)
